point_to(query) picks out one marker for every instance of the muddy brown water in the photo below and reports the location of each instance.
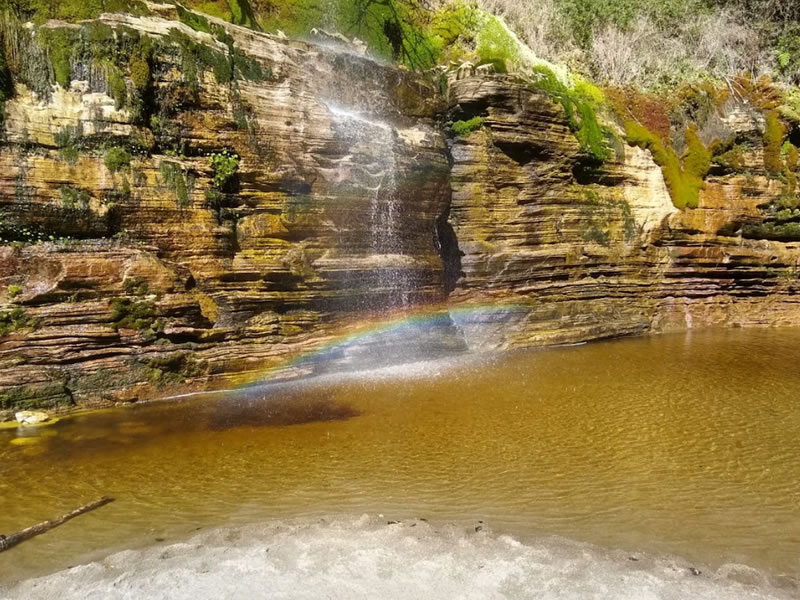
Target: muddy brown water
(684, 445)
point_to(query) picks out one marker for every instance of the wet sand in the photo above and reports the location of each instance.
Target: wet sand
(369, 557)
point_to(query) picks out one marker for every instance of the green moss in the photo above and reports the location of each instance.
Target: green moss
(214, 8)
(136, 285)
(697, 158)
(16, 320)
(28, 397)
(73, 198)
(193, 20)
(73, 10)
(464, 128)
(393, 29)
(176, 179)
(599, 216)
(197, 57)
(14, 291)
(116, 159)
(455, 20)
(98, 35)
(730, 158)
(792, 157)
(130, 314)
(60, 44)
(496, 46)
(70, 154)
(70, 141)
(117, 87)
(774, 134)
(249, 68)
(580, 108)
(221, 35)
(684, 179)
(141, 72)
(173, 368)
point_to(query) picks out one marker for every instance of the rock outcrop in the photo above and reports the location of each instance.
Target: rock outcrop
(566, 250)
(150, 274)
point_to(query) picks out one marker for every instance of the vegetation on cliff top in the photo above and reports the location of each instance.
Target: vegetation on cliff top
(660, 43)
(39, 11)
(554, 46)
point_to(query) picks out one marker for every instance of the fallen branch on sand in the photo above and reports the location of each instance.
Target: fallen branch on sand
(12, 540)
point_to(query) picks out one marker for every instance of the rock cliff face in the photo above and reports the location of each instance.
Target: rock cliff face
(155, 277)
(568, 251)
(349, 199)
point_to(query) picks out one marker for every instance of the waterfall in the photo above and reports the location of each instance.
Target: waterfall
(380, 229)
(371, 165)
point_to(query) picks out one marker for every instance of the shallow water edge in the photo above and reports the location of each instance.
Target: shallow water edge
(684, 445)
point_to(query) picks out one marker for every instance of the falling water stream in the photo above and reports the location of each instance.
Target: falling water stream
(374, 143)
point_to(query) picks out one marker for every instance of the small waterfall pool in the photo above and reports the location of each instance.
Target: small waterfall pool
(675, 450)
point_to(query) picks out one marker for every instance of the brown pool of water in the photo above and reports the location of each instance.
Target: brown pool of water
(675, 444)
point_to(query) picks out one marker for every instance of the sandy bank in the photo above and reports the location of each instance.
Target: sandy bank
(368, 558)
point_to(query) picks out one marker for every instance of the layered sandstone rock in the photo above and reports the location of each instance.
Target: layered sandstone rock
(148, 284)
(556, 249)
(350, 201)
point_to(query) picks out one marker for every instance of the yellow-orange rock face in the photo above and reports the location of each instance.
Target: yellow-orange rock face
(350, 200)
(567, 251)
(338, 155)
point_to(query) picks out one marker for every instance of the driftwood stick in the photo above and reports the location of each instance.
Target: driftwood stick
(12, 540)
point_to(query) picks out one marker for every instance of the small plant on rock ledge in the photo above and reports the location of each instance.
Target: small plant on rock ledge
(129, 314)
(224, 182)
(116, 159)
(70, 141)
(464, 128)
(136, 285)
(73, 198)
(225, 168)
(15, 320)
(174, 177)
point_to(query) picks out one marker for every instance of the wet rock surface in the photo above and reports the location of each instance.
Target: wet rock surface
(155, 279)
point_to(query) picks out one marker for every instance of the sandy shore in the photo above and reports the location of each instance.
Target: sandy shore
(368, 558)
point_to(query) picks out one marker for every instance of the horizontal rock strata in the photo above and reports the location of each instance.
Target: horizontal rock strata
(553, 248)
(149, 279)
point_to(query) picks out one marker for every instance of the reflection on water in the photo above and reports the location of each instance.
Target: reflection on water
(687, 445)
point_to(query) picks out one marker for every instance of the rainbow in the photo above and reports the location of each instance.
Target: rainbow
(371, 328)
